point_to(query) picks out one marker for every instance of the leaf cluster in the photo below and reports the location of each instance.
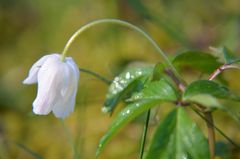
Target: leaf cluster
(142, 88)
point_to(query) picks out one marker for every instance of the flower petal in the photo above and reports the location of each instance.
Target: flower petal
(69, 90)
(32, 76)
(71, 63)
(62, 110)
(50, 81)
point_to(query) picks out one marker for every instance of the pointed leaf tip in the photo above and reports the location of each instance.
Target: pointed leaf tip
(229, 56)
(207, 92)
(125, 116)
(201, 61)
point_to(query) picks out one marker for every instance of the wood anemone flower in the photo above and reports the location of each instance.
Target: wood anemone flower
(57, 85)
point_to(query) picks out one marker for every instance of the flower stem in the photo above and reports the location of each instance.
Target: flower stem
(144, 135)
(98, 76)
(123, 23)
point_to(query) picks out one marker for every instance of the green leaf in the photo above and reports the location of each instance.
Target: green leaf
(225, 55)
(178, 137)
(205, 100)
(127, 82)
(206, 93)
(158, 71)
(125, 116)
(201, 61)
(157, 90)
(229, 56)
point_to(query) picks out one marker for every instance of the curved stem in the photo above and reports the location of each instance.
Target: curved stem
(208, 115)
(222, 68)
(123, 23)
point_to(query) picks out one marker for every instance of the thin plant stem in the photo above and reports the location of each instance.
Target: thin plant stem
(70, 140)
(216, 128)
(222, 68)
(123, 23)
(135, 28)
(181, 86)
(144, 135)
(211, 133)
(98, 76)
(208, 115)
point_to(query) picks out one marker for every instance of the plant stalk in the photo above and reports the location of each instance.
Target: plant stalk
(96, 75)
(144, 135)
(207, 115)
(211, 133)
(122, 23)
(216, 128)
(221, 69)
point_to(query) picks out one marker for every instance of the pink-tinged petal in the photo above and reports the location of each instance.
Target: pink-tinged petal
(50, 79)
(57, 85)
(32, 76)
(71, 63)
(69, 90)
(62, 110)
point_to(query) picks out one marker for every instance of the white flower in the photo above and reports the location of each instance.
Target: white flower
(57, 85)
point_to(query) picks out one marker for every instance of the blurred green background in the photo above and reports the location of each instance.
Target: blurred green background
(30, 29)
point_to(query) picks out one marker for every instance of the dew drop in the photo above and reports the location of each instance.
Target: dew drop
(137, 97)
(122, 81)
(100, 145)
(105, 109)
(128, 75)
(116, 79)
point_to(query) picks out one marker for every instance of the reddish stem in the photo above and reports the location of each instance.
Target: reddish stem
(208, 115)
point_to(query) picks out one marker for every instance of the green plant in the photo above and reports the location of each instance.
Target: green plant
(177, 136)
(145, 87)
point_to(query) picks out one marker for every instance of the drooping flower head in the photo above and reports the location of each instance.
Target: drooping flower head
(57, 85)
